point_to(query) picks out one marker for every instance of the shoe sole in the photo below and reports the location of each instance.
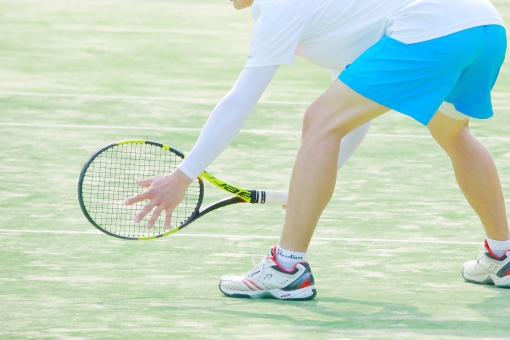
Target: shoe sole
(489, 279)
(303, 294)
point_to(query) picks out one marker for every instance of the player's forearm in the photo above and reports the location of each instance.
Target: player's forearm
(225, 122)
(227, 119)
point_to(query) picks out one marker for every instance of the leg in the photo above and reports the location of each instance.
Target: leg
(475, 172)
(337, 112)
(349, 145)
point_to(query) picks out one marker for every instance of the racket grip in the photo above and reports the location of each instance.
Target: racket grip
(273, 197)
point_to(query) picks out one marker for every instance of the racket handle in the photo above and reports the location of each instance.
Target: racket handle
(272, 197)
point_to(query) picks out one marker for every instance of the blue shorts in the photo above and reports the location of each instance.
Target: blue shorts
(415, 79)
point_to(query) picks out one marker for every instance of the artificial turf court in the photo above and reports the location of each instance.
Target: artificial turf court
(76, 75)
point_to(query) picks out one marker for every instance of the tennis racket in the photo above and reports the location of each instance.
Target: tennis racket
(108, 178)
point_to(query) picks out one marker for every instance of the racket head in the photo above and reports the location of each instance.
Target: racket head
(109, 177)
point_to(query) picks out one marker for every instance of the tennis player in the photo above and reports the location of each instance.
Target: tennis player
(433, 60)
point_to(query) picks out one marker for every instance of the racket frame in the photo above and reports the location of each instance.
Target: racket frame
(240, 195)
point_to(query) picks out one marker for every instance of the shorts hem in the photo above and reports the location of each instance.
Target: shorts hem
(350, 80)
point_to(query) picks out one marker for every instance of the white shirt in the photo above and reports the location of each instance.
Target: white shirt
(332, 33)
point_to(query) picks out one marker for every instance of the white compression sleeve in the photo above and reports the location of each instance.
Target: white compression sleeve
(227, 119)
(352, 140)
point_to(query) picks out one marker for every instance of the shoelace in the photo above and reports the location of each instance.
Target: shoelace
(258, 267)
(481, 251)
(257, 259)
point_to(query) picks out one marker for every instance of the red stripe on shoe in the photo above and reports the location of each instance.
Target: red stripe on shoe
(253, 283)
(247, 285)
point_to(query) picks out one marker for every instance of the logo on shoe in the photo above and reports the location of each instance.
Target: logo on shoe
(267, 277)
(293, 257)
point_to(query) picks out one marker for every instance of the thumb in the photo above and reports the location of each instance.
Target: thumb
(145, 182)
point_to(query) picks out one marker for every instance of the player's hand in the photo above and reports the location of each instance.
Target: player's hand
(164, 193)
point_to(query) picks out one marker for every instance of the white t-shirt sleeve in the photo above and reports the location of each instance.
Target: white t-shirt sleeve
(227, 119)
(276, 34)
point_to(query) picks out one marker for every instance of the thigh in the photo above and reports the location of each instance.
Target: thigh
(341, 109)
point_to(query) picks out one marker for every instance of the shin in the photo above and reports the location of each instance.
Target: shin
(337, 112)
(475, 171)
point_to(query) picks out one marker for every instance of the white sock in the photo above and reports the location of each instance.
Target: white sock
(288, 259)
(499, 248)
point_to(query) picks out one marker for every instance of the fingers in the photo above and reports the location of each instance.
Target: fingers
(154, 217)
(137, 198)
(168, 219)
(144, 195)
(145, 210)
(164, 194)
(145, 182)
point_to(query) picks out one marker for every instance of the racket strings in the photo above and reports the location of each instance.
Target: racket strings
(111, 178)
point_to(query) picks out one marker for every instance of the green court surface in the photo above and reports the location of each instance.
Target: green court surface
(386, 256)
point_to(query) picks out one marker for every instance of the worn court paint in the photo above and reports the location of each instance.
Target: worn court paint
(182, 129)
(233, 236)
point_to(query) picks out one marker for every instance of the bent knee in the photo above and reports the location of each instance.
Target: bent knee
(324, 119)
(321, 121)
(448, 132)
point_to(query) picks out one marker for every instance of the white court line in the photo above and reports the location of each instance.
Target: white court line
(106, 97)
(500, 95)
(129, 97)
(342, 239)
(127, 127)
(106, 29)
(120, 3)
(171, 99)
(183, 129)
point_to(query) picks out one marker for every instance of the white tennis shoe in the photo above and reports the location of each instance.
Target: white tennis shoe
(269, 280)
(488, 269)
